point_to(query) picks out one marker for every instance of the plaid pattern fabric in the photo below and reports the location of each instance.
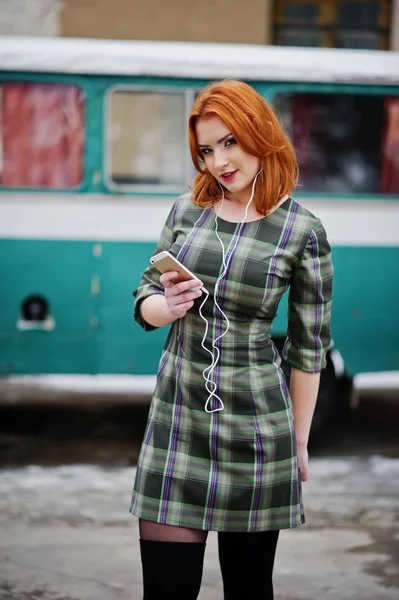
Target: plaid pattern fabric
(237, 469)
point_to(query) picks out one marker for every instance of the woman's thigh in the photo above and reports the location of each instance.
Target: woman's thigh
(169, 533)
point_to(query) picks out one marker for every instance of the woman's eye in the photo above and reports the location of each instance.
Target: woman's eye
(206, 151)
(231, 142)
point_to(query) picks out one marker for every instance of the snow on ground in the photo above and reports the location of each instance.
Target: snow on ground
(93, 494)
(67, 535)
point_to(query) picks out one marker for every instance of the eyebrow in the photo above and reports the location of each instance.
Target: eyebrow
(218, 142)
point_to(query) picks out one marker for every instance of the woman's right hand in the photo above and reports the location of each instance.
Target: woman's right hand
(179, 296)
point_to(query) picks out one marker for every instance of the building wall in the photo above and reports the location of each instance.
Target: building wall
(395, 26)
(30, 17)
(234, 21)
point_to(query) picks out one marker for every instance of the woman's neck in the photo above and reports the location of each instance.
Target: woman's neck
(235, 212)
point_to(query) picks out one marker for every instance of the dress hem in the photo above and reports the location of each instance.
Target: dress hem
(221, 529)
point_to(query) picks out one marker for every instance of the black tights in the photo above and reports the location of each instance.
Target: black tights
(246, 561)
(172, 559)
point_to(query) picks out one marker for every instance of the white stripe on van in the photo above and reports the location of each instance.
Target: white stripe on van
(115, 218)
(51, 388)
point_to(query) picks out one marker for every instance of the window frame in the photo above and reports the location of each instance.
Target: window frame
(82, 84)
(189, 172)
(270, 94)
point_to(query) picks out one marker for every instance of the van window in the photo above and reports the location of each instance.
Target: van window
(146, 138)
(345, 143)
(41, 135)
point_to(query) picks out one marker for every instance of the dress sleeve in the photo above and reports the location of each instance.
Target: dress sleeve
(309, 305)
(150, 283)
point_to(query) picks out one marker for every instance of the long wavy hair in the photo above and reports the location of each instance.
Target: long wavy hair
(257, 130)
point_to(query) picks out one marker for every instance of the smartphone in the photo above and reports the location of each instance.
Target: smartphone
(165, 262)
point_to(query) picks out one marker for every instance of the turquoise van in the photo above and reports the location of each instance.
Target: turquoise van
(93, 153)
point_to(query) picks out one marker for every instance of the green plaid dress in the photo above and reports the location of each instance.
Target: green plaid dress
(236, 469)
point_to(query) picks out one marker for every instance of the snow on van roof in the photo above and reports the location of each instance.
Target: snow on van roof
(197, 60)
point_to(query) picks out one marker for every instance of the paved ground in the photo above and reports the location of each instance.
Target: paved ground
(66, 533)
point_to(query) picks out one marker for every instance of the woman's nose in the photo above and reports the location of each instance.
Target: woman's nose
(221, 159)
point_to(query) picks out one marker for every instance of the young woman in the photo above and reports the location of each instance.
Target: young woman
(225, 448)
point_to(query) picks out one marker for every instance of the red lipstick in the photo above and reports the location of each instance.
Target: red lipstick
(229, 176)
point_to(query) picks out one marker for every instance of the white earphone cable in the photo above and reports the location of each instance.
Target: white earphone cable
(210, 384)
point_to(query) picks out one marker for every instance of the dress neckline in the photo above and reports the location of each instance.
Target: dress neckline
(287, 200)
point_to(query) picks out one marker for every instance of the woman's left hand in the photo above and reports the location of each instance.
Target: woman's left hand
(303, 459)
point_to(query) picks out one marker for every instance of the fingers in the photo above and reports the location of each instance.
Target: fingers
(180, 300)
(303, 460)
(180, 310)
(179, 296)
(177, 288)
(166, 279)
(304, 474)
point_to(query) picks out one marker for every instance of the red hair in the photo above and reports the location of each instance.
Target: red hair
(259, 133)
